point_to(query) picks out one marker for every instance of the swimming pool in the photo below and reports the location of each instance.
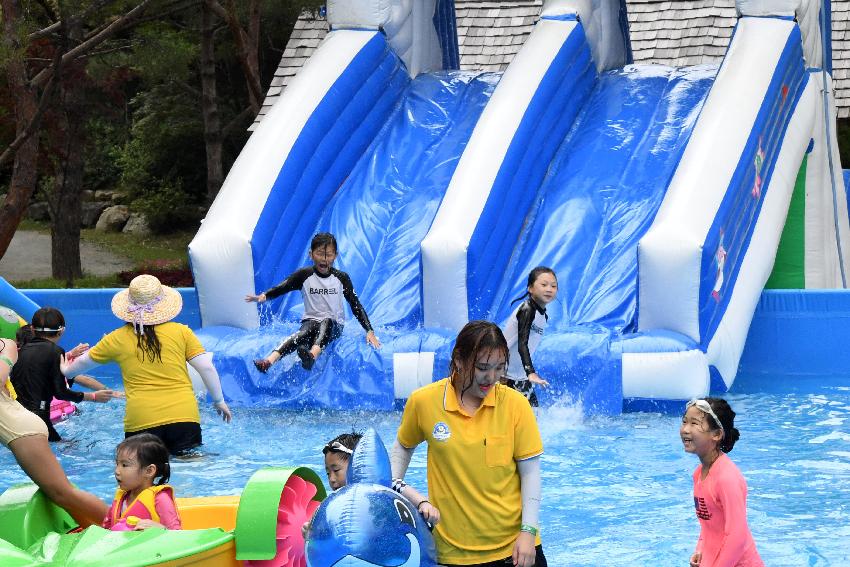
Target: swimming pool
(616, 490)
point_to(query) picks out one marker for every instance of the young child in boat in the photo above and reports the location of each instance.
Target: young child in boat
(143, 499)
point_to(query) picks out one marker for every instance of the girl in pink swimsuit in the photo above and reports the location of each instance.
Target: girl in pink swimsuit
(720, 490)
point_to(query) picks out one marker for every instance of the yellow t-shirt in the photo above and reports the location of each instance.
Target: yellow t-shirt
(158, 393)
(472, 472)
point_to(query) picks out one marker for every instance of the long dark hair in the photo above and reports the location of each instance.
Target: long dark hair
(147, 344)
(724, 413)
(149, 450)
(532, 277)
(476, 336)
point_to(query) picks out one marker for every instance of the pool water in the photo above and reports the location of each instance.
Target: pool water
(616, 491)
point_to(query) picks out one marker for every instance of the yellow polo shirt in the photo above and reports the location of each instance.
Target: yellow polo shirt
(472, 472)
(158, 392)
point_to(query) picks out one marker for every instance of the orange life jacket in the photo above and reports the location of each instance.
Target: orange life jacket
(142, 508)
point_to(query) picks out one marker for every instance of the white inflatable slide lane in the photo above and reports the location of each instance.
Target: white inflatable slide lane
(221, 252)
(673, 263)
(444, 249)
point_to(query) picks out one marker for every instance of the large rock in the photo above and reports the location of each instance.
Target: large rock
(38, 212)
(91, 213)
(113, 218)
(137, 224)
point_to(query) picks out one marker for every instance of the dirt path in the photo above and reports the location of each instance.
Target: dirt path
(28, 258)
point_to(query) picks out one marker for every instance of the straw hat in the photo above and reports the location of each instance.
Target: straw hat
(147, 302)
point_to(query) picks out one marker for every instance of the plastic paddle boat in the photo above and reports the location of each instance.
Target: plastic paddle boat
(260, 527)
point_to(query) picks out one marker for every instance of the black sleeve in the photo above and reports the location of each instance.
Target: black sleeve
(57, 379)
(354, 301)
(524, 317)
(294, 281)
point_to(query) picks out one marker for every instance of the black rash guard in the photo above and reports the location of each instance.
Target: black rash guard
(37, 378)
(322, 295)
(523, 333)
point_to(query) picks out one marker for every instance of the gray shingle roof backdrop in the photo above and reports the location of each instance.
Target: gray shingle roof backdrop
(670, 32)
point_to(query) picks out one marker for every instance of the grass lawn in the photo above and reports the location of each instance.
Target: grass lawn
(168, 250)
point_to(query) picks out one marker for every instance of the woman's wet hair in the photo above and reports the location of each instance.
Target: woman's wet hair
(148, 450)
(341, 442)
(726, 416)
(322, 239)
(48, 322)
(473, 338)
(532, 277)
(148, 346)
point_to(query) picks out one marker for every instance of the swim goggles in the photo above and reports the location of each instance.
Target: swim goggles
(48, 330)
(337, 446)
(705, 407)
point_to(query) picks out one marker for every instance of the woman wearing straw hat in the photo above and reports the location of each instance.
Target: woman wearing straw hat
(152, 352)
(26, 436)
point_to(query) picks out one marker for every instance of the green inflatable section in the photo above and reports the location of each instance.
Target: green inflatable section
(9, 323)
(789, 269)
(34, 531)
(256, 519)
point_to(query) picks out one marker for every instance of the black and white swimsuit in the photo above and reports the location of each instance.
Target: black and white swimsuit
(523, 332)
(323, 295)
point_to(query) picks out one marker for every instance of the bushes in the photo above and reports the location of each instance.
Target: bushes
(173, 273)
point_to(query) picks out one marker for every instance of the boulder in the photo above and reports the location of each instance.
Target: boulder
(137, 224)
(91, 213)
(39, 212)
(113, 218)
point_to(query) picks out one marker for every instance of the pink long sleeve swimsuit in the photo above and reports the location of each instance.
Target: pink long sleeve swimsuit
(721, 507)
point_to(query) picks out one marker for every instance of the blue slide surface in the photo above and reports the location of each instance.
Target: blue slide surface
(380, 214)
(599, 198)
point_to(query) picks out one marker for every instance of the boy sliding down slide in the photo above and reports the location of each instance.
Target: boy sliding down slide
(322, 289)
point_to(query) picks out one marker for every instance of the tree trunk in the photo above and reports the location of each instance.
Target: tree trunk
(246, 53)
(209, 107)
(24, 171)
(66, 202)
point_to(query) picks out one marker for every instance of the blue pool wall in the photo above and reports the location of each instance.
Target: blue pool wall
(798, 339)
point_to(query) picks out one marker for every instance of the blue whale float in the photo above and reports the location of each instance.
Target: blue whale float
(366, 523)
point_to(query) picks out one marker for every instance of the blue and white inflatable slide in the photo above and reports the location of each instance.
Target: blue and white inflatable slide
(658, 195)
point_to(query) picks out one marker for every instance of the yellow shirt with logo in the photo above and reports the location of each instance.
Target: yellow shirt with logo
(472, 472)
(158, 392)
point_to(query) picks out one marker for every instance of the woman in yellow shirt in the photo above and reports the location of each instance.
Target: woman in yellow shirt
(483, 456)
(152, 352)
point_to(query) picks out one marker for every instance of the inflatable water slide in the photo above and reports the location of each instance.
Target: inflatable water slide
(660, 196)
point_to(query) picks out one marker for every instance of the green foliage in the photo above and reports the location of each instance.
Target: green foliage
(162, 53)
(163, 165)
(167, 208)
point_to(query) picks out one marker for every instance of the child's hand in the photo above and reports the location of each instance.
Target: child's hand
(145, 524)
(102, 396)
(695, 559)
(258, 298)
(373, 340)
(535, 379)
(429, 512)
